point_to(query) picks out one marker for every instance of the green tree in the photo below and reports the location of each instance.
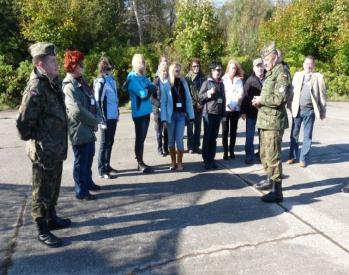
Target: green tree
(81, 24)
(242, 19)
(317, 27)
(12, 44)
(197, 31)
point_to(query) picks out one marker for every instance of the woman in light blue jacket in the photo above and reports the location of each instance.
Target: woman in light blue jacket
(140, 89)
(176, 104)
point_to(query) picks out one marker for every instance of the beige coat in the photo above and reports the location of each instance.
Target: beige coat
(318, 93)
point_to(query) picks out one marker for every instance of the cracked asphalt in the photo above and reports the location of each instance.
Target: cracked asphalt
(191, 222)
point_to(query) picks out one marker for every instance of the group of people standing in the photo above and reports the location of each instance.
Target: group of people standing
(52, 109)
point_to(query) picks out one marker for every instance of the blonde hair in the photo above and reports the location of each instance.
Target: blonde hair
(137, 59)
(239, 71)
(171, 72)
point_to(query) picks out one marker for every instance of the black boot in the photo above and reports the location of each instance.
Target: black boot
(142, 166)
(45, 236)
(54, 222)
(275, 195)
(225, 154)
(345, 188)
(264, 184)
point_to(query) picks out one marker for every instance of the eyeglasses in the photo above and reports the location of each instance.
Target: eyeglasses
(109, 69)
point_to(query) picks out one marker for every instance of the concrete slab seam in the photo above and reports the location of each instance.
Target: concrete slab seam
(10, 249)
(290, 212)
(193, 255)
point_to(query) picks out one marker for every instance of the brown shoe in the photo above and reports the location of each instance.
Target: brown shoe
(290, 161)
(302, 164)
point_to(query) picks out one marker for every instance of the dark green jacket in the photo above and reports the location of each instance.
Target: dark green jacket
(81, 121)
(272, 114)
(42, 119)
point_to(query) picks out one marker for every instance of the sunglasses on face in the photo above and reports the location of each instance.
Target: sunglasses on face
(109, 68)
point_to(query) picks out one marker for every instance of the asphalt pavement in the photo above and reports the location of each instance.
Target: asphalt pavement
(190, 222)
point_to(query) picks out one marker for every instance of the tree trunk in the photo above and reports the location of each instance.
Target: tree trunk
(139, 23)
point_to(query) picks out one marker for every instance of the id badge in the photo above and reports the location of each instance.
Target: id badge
(220, 100)
(179, 105)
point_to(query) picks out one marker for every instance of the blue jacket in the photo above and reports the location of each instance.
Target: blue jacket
(167, 101)
(140, 89)
(106, 94)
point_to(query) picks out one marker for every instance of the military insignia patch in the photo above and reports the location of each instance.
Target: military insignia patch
(282, 90)
(33, 93)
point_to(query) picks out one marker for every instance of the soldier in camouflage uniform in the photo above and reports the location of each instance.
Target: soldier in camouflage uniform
(272, 121)
(42, 122)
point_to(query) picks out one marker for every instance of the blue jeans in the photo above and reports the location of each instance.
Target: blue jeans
(176, 130)
(307, 117)
(141, 129)
(211, 130)
(106, 145)
(250, 130)
(82, 172)
(194, 132)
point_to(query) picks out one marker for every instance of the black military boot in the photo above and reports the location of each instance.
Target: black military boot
(54, 222)
(275, 195)
(45, 236)
(264, 184)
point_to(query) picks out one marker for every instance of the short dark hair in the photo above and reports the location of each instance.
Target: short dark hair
(103, 64)
(214, 64)
(195, 60)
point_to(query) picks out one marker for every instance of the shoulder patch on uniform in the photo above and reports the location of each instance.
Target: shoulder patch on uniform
(33, 93)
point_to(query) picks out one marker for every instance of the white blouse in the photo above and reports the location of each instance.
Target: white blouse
(234, 91)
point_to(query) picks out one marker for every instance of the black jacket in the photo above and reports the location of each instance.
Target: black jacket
(216, 103)
(253, 87)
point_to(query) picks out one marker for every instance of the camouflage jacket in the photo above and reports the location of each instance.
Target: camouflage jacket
(272, 114)
(42, 119)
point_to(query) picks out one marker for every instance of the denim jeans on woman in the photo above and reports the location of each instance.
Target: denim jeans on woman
(307, 117)
(250, 131)
(106, 145)
(82, 172)
(176, 130)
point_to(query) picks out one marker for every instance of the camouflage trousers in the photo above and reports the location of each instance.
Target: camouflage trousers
(270, 152)
(45, 187)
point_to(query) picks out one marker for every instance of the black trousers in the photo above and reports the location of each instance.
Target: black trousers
(141, 129)
(229, 128)
(211, 130)
(106, 145)
(161, 133)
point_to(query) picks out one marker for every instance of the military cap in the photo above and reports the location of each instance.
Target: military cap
(268, 49)
(257, 61)
(41, 49)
